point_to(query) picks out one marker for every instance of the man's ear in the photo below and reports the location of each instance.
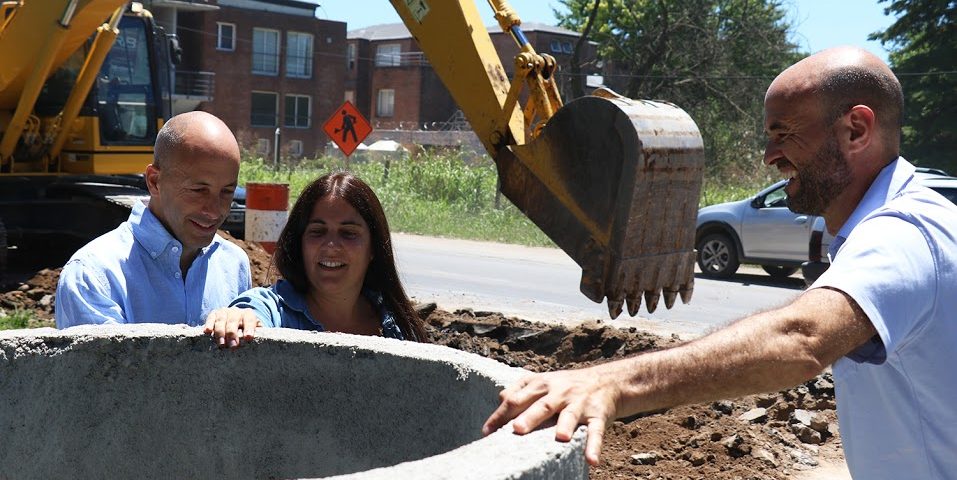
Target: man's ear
(861, 124)
(152, 179)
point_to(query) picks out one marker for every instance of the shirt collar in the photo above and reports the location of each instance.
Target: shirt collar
(297, 301)
(291, 297)
(892, 179)
(150, 233)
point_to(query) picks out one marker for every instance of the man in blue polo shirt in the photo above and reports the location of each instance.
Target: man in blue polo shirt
(885, 314)
(165, 264)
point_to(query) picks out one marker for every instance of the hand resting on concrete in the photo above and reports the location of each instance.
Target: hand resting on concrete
(231, 326)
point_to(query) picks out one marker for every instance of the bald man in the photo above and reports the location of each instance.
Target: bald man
(165, 264)
(884, 314)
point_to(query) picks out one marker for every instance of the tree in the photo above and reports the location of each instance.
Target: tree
(923, 44)
(713, 58)
(578, 80)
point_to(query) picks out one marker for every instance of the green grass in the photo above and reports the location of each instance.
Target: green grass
(449, 195)
(437, 195)
(16, 320)
(729, 187)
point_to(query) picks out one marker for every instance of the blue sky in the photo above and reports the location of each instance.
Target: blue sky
(819, 23)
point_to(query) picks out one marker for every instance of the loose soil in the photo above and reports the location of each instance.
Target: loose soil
(795, 431)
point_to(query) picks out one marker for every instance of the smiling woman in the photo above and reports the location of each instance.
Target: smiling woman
(335, 257)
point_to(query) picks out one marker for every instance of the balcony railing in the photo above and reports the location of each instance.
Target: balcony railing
(405, 59)
(195, 84)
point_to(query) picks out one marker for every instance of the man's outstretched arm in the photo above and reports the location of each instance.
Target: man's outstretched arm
(764, 352)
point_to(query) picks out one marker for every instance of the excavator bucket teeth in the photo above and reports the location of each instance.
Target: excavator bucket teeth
(615, 183)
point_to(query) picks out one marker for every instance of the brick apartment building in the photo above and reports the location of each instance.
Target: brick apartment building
(392, 84)
(259, 65)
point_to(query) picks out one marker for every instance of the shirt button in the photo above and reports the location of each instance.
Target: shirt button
(177, 274)
(175, 249)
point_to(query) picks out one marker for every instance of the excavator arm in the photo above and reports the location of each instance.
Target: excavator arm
(28, 63)
(614, 182)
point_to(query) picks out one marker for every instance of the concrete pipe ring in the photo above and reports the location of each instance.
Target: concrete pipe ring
(161, 401)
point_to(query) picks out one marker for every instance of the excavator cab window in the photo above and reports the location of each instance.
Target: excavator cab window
(57, 88)
(124, 91)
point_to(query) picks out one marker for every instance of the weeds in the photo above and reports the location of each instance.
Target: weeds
(15, 320)
(432, 194)
(448, 195)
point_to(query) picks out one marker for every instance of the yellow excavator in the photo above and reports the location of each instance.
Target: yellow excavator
(84, 87)
(614, 182)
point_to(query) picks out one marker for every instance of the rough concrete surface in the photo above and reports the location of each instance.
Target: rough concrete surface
(158, 401)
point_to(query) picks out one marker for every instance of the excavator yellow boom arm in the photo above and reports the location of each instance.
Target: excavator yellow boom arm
(614, 182)
(34, 41)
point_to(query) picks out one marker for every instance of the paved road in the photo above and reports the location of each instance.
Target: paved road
(542, 284)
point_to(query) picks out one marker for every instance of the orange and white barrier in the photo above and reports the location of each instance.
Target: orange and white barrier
(267, 209)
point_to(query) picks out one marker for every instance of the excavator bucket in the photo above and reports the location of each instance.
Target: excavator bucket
(615, 183)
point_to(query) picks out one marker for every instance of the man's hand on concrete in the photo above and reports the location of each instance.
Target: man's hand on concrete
(576, 396)
(231, 326)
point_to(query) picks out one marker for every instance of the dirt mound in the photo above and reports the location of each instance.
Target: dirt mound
(37, 295)
(764, 436)
(535, 346)
(260, 261)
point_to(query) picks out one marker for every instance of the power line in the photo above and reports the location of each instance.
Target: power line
(730, 77)
(570, 74)
(926, 74)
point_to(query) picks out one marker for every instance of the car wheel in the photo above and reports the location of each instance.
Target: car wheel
(777, 271)
(717, 256)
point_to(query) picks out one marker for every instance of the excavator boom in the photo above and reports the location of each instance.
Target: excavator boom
(614, 182)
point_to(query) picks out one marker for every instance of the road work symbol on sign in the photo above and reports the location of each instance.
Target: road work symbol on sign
(347, 127)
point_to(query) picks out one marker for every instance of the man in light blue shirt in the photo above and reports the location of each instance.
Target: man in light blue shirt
(896, 256)
(886, 311)
(165, 264)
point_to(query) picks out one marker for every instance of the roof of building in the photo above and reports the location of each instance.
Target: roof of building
(396, 31)
(387, 31)
(537, 27)
(282, 6)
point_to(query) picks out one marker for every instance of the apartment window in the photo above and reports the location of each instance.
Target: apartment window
(295, 148)
(567, 47)
(298, 55)
(351, 56)
(225, 36)
(555, 46)
(385, 106)
(298, 111)
(264, 111)
(262, 146)
(265, 51)
(388, 55)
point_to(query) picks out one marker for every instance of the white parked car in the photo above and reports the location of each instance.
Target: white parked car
(759, 230)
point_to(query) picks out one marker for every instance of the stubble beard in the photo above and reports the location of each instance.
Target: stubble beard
(821, 180)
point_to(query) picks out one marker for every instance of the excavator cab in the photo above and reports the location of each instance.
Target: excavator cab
(614, 182)
(84, 88)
